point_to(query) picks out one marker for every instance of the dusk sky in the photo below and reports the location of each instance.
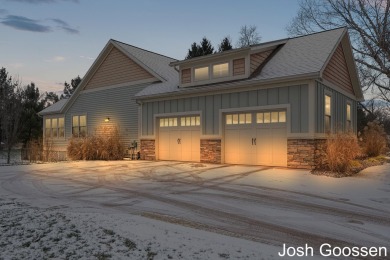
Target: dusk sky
(51, 41)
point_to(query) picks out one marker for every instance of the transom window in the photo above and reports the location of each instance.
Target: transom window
(201, 73)
(221, 70)
(271, 117)
(328, 113)
(239, 119)
(79, 126)
(190, 121)
(54, 128)
(166, 122)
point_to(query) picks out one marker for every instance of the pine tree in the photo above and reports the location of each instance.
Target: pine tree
(225, 45)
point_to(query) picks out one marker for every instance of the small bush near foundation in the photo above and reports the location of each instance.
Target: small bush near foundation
(106, 144)
(341, 150)
(374, 140)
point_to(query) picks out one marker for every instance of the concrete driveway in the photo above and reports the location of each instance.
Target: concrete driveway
(263, 204)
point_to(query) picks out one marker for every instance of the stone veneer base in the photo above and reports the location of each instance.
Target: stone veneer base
(210, 151)
(305, 153)
(148, 150)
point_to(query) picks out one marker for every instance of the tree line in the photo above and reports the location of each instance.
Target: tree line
(19, 107)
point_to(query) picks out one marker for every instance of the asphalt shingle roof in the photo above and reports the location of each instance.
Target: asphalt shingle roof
(298, 56)
(55, 108)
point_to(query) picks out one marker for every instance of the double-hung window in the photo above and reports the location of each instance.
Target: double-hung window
(79, 126)
(54, 128)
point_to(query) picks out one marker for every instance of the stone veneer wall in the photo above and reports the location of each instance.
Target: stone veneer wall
(210, 151)
(148, 150)
(305, 153)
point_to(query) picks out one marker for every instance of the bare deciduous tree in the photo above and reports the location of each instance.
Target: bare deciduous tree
(368, 22)
(248, 36)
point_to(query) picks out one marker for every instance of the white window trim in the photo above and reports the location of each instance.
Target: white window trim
(50, 128)
(348, 103)
(86, 124)
(200, 67)
(229, 63)
(329, 94)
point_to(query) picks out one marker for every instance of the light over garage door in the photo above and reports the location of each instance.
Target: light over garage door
(179, 138)
(256, 138)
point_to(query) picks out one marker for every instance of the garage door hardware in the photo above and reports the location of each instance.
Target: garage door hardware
(254, 141)
(178, 140)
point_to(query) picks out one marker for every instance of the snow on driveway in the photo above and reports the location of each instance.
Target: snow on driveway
(174, 210)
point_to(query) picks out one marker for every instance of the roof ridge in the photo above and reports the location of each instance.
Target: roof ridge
(304, 35)
(165, 56)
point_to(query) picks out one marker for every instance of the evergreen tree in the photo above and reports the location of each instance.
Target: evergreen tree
(204, 48)
(70, 88)
(225, 45)
(32, 123)
(49, 99)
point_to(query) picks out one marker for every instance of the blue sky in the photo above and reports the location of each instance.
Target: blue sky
(52, 41)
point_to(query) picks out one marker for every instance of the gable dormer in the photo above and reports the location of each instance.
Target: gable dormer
(225, 66)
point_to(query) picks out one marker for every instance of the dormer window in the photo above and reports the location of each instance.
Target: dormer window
(221, 70)
(201, 73)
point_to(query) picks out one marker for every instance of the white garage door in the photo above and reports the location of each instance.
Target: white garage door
(257, 138)
(179, 138)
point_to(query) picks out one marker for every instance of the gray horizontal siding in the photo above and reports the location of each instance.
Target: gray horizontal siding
(296, 96)
(338, 106)
(118, 104)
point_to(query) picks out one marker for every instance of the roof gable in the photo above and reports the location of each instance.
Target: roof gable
(336, 71)
(117, 68)
(155, 64)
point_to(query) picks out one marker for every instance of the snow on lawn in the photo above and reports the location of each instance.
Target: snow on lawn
(35, 233)
(113, 210)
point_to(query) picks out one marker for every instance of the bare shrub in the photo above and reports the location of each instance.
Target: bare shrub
(34, 150)
(374, 140)
(105, 144)
(341, 149)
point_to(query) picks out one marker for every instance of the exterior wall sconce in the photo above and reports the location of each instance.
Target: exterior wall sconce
(107, 119)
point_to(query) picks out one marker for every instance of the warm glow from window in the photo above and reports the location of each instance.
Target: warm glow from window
(259, 118)
(241, 119)
(190, 121)
(327, 105)
(274, 117)
(282, 117)
(201, 73)
(267, 118)
(79, 126)
(166, 122)
(348, 112)
(221, 70)
(328, 113)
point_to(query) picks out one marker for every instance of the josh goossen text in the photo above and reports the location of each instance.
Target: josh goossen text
(333, 251)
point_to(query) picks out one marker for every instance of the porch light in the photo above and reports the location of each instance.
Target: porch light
(107, 119)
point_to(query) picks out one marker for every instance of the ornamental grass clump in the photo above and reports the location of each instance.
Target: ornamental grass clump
(341, 150)
(374, 139)
(105, 144)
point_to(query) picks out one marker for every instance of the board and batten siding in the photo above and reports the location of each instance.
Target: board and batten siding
(117, 103)
(115, 69)
(296, 96)
(338, 109)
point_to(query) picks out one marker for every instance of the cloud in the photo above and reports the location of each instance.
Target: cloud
(43, 1)
(86, 57)
(25, 24)
(65, 26)
(56, 59)
(3, 11)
